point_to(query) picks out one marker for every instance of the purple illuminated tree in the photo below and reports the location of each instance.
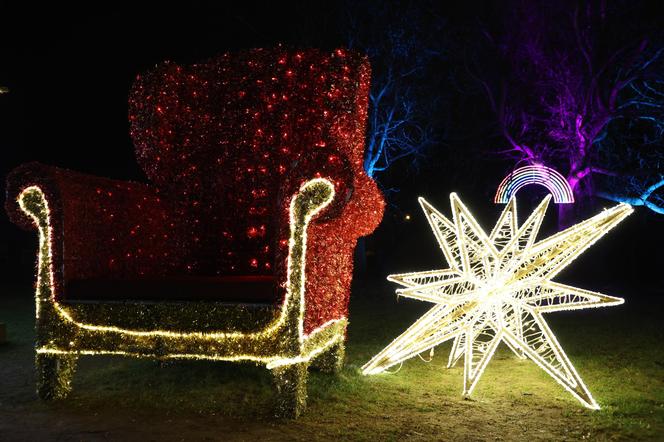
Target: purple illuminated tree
(580, 87)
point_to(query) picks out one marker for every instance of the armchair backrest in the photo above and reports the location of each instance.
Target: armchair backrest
(224, 136)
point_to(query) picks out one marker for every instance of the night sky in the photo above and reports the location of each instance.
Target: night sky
(69, 71)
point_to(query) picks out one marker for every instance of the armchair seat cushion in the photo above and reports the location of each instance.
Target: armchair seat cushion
(253, 289)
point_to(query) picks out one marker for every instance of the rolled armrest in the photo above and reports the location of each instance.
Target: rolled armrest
(356, 196)
(99, 226)
(313, 196)
(325, 163)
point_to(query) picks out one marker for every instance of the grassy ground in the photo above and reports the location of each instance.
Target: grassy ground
(618, 351)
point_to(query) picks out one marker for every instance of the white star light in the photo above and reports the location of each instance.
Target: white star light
(496, 289)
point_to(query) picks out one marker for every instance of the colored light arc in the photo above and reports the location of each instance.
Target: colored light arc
(545, 176)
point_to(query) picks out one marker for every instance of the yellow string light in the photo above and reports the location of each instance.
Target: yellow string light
(496, 290)
(278, 344)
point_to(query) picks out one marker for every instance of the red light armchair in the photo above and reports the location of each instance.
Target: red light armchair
(241, 246)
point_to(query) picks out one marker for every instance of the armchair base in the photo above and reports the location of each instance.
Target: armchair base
(291, 384)
(55, 373)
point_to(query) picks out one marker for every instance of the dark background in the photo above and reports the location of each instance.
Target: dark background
(69, 70)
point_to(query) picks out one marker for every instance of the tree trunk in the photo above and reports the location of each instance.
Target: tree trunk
(566, 215)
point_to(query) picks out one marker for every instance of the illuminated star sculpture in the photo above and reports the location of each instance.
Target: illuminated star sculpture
(496, 289)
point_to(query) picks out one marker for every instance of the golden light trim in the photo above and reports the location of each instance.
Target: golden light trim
(496, 290)
(271, 362)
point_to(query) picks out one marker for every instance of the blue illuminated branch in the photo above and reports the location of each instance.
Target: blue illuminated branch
(644, 199)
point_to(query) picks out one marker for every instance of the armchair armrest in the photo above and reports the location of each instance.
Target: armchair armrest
(327, 163)
(355, 210)
(99, 226)
(356, 195)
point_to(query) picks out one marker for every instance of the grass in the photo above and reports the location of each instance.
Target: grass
(618, 352)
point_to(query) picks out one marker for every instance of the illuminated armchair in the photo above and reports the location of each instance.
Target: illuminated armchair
(241, 246)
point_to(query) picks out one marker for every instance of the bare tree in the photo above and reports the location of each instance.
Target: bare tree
(402, 42)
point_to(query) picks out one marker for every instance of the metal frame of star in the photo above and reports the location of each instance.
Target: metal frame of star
(496, 290)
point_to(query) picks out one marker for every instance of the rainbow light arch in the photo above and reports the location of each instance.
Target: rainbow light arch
(545, 176)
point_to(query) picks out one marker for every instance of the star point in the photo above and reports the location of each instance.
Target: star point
(496, 289)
